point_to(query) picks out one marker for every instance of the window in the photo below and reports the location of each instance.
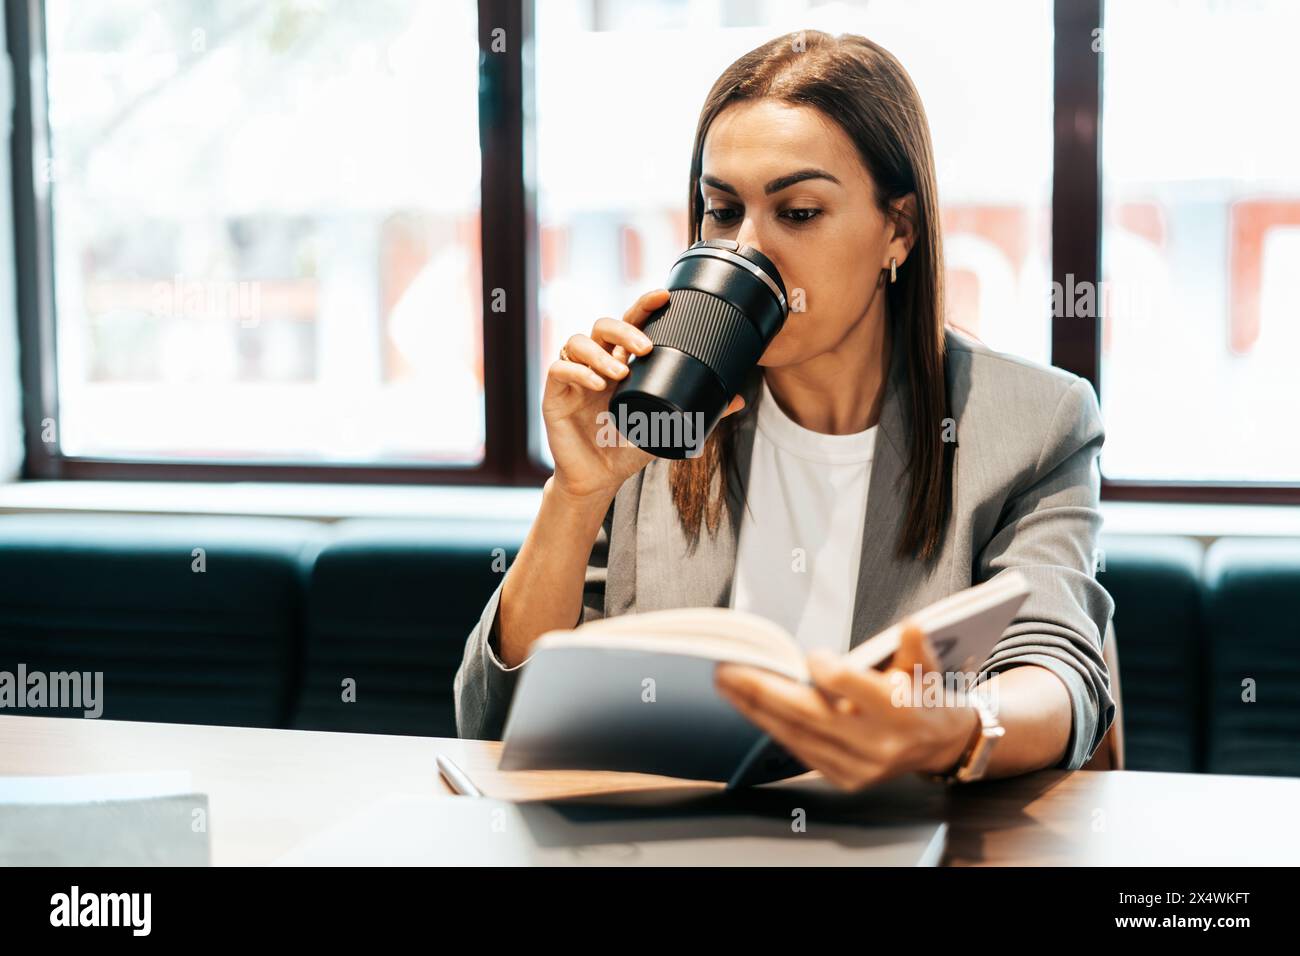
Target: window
(1201, 239)
(254, 239)
(613, 220)
(265, 230)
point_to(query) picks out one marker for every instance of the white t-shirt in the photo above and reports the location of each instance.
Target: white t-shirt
(801, 533)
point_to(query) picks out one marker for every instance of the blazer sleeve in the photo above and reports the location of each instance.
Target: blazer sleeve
(1048, 531)
(484, 686)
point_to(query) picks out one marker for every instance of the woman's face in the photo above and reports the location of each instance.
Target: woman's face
(824, 231)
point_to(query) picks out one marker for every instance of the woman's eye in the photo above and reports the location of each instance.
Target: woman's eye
(721, 216)
(803, 215)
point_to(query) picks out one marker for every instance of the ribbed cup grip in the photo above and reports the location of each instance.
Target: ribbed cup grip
(710, 329)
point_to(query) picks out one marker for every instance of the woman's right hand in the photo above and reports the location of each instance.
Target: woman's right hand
(579, 390)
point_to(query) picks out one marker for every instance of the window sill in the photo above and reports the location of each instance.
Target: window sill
(335, 502)
(1204, 521)
(320, 502)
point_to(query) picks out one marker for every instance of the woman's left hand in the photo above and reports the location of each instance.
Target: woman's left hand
(857, 727)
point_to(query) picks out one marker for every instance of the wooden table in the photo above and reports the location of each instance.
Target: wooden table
(270, 789)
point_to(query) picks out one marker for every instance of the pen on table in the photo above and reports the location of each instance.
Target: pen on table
(456, 778)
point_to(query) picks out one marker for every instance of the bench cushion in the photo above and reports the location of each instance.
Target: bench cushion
(389, 607)
(1160, 637)
(1252, 589)
(191, 636)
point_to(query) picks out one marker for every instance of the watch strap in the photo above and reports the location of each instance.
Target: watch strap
(974, 759)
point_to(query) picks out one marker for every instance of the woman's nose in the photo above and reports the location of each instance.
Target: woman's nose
(748, 236)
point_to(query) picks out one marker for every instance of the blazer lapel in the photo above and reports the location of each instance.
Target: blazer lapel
(889, 587)
(669, 572)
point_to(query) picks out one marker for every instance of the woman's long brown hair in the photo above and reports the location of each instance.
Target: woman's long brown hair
(864, 89)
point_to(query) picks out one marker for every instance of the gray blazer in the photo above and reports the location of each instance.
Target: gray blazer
(1026, 489)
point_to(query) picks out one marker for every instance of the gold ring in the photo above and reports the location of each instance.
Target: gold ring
(564, 353)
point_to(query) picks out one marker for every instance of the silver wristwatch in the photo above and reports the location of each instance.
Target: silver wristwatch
(975, 758)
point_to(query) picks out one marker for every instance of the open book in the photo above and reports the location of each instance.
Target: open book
(635, 692)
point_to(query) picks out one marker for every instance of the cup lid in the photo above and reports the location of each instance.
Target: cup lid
(749, 253)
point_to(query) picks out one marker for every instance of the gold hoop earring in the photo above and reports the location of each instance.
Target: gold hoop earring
(893, 269)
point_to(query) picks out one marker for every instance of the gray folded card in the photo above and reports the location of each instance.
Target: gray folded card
(105, 819)
(150, 831)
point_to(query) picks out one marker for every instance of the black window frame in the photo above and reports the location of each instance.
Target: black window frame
(513, 443)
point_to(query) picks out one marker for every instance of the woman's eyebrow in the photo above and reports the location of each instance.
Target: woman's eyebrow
(776, 185)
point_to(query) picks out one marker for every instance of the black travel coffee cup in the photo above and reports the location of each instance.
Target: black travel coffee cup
(726, 302)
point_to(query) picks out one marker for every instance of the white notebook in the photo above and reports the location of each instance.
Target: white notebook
(635, 692)
(643, 828)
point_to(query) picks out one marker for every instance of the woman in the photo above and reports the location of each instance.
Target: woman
(876, 461)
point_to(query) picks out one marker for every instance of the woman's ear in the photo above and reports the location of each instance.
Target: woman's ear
(903, 219)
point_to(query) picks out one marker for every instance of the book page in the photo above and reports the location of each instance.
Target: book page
(715, 632)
